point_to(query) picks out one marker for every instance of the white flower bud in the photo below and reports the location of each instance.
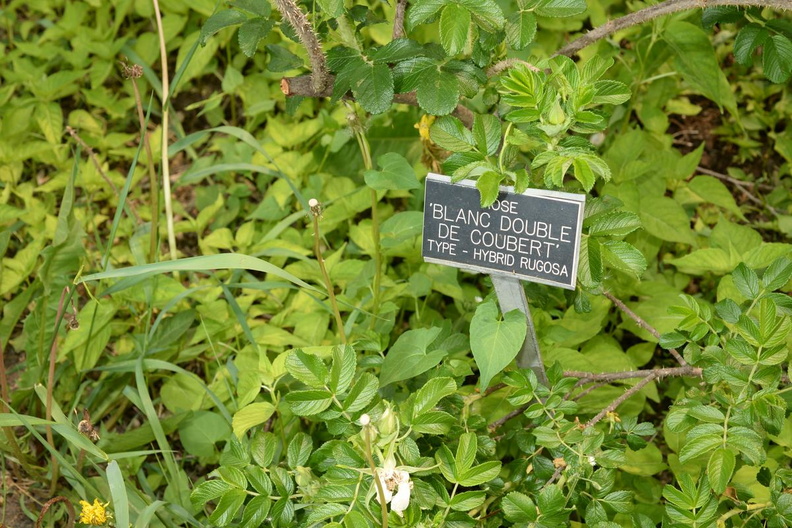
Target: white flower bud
(313, 202)
(365, 419)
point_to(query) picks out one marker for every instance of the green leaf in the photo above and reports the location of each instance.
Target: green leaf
(362, 392)
(408, 357)
(433, 422)
(618, 223)
(466, 452)
(712, 190)
(495, 343)
(777, 58)
(118, 492)
(373, 87)
(220, 20)
(467, 500)
(610, 92)
(207, 491)
(299, 450)
(720, 469)
(749, 443)
(250, 416)
(623, 256)
(343, 367)
(432, 392)
(746, 281)
(560, 8)
(518, 508)
(486, 13)
(332, 8)
(307, 368)
(619, 501)
(454, 28)
(421, 10)
(395, 173)
(200, 433)
(281, 59)
(227, 507)
(699, 445)
(488, 185)
(583, 173)
(309, 402)
(256, 512)
(480, 474)
(263, 447)
(438, 91)
(253, 6)
(696, 61)
(747, 40)
(323, 512)
(665, 219)
(397, 50)
(49, 117)
(487, 133)
(777, 274)
(449, 133)
(520, 29)
(251, 32)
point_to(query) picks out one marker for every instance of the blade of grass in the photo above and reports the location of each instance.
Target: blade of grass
(144, 519)
(118, 493)
(156, 427)
(202, 263)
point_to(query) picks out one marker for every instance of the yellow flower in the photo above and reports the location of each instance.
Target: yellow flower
(424, 125)
(94, 514)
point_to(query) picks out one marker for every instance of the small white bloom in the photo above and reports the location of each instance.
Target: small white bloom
(394, 480)
(313, 202)
(477, 299)
(365, 419)
(592, 461)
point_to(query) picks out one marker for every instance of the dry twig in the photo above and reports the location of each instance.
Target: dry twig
(398, 19)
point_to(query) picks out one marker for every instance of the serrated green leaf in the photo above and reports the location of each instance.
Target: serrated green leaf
(583, 173)
(777, 58)
(438, 91)
(610, 92)
(623, 256)
(208, 490)
(227, 507)
(698, 446)
(395, 173)
(373, 87)
(342, 370)
(488, 185)
(747, 40)
(220, 20)
(560, 8)
(432, 392)
(746, 281)
(332, 8)
(256, 511)
(433, 422)
(397, 50)
(487, 133)
(520, 29)
(486, 13)
(422, 10)
(307, 368)
(449, 133)
(518, 507)
(480, 474)
(251, 33)
(309, 402)
(617, 223)
(720, 469)
(454, 28)
(494, 342)
(299, 450)
(362, 392)
(467, 500)
(466, 452)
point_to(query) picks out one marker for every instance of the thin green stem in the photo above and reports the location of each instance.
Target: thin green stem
(326, 277)
(380, 492)
(166, 188)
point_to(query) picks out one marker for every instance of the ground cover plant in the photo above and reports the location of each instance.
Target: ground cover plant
(215, 311)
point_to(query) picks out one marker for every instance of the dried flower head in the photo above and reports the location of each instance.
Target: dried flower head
(94, 514)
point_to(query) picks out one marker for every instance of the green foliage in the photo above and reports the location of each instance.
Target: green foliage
(220, 389)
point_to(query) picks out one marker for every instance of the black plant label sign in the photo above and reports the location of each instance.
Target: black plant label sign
(533, 236)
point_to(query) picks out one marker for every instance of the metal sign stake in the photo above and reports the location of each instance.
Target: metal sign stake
(511, 296)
